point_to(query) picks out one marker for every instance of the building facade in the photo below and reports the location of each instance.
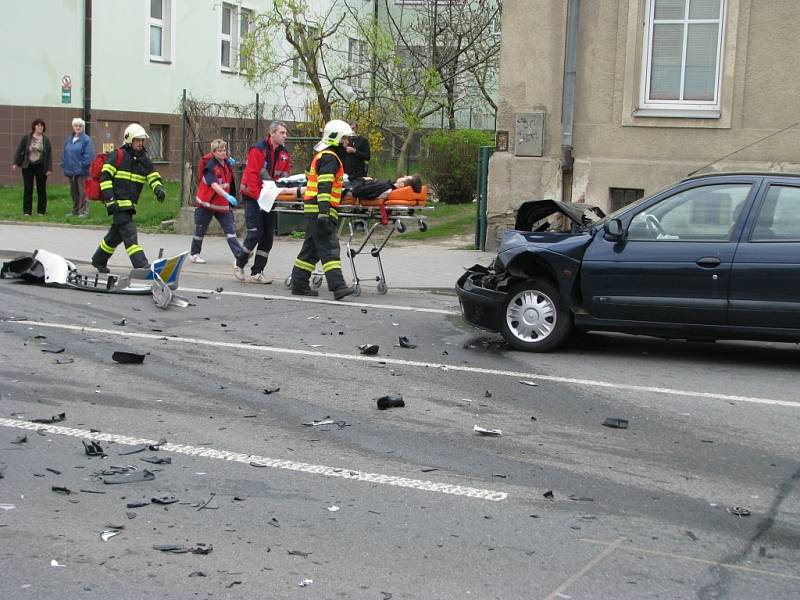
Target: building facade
(605, 102)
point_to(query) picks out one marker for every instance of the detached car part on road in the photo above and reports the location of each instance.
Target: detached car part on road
(712, 257)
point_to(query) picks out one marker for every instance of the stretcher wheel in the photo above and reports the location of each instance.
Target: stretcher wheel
(423, 226)
(288, 281)
(316, 281)
(400, 226)
(356, 290)
(382, 289)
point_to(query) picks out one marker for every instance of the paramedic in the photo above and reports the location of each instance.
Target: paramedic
(267, 160)
(320, 204)
(120, 186)
(214, 200)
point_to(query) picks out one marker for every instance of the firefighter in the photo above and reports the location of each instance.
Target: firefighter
(121, 183)
(320, 204)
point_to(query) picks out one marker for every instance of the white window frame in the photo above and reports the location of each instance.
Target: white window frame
(165, 25)
(708, 108)
(299, 74)
(159, 132)
(358, 57)
(234, 38)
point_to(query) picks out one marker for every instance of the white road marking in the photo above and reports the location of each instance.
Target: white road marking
(265, 461)
(415, 363)
(436, 311)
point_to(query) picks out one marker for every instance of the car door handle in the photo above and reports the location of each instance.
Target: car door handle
(708, 262)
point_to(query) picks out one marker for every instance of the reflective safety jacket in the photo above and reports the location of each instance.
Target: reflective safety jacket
(325, 184)
(121, 185)
(221, 174)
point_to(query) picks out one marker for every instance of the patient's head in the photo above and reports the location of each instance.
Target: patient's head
(412, 181)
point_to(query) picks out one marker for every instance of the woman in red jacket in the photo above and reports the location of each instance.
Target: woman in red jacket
(214, 199)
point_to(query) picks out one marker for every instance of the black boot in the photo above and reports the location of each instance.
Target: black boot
(100, 268)
(343, 292)
(306, 291)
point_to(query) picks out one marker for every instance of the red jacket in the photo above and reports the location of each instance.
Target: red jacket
(276, 161)
(223, 176)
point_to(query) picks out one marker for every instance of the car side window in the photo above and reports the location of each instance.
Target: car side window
(779, 215)
(706, 213)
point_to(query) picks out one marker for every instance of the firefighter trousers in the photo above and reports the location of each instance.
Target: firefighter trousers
(321, 244)
(122, 230)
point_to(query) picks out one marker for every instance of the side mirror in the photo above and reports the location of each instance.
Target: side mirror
(613, 230)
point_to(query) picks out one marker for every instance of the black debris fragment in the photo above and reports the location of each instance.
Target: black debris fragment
(20, 439)
(163, 500)
(299, 553)
(133, 450)
(386, 596)
(121, 322)
(390, 401)
(131, 477)
(54, 419)
(405, 343)
(53, 350)
(364, 310)
(91, 491)
(92, 448)
(219, 290)
(691, 535)
(64, 361)
(271, 390)
(429, 469)
(579, 498)
(615, 423)
(487, 394)
(128, 358)
(548, 494)
(55, 471)
(197, 574)
(58, 489)
(369, 349)
(201, 297)
(739, 511)
(178, 549)
(233, 583)
(137, 504)
(157, 460)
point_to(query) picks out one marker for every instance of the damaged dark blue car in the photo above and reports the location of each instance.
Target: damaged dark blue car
(712, 257)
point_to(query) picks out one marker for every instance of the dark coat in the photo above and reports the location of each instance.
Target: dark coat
(355, 165)
(21, 155)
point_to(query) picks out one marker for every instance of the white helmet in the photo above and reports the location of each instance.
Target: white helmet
(134, 131)
(333, 133)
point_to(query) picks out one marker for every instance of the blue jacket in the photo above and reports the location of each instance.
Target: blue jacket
(77, 156)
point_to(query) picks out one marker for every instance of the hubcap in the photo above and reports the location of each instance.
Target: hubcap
(531, 316)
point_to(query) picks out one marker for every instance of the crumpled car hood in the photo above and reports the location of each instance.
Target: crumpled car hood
(581, 215)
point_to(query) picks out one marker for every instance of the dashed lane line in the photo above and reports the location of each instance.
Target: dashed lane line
(265, 461)
(414, 363)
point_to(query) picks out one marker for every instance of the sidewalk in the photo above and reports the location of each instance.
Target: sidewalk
(410, 266)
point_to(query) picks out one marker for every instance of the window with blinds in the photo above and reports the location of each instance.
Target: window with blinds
(683, 54)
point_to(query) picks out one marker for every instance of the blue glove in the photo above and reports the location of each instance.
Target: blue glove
(231, 162)
(231, 199)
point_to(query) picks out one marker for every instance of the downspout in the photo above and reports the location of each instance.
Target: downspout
(87, 65)
(568, 101)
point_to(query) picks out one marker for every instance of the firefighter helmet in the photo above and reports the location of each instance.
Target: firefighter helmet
(134, 131)
(333, 133)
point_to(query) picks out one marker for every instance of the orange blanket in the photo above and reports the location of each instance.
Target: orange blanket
(404, 196)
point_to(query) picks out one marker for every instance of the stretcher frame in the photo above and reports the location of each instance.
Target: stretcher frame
(400, 207)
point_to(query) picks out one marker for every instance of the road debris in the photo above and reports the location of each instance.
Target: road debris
(157, 460)
(369, 349)
(488, 432)
(333, 508)
(163, 500)
(739, 511)
(92, 448)
(178, 549)
(55, 563)
(52, 350)
(298, 553)
(390, 401)
(20, 439)
(58, 489)
(549, 495)
(128, 358)
(131, 477)
(271, 390)
(405, 343)
(54, 419)
(615, 423)
(107, 534)
(306, 582)
(527, 382)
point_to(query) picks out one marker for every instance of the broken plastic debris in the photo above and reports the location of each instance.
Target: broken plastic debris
(54, 419)
(484, 431)
(163, 500)
(129, 477)
(390, 401)
(298, 553)
(315, 423)
(178, 549)
(64, 361)
(93, 448)
(305, 582)
(157, 460)
(405, 343)
(739, 511)
(53, 350)
(107, 534)
(271, 390)
(7, 507)
(128, 358)
(369, 349)
(55, 563)
(121, 322)
(526, 382)
(580, 498)
(616, 423)
(58, 489)
(20, 439)
(548, 494)
(333, 508)
(137, 504)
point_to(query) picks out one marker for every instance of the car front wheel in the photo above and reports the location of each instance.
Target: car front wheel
(533, 318)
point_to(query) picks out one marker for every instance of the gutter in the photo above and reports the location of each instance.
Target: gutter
(568, 100)
(87, 65)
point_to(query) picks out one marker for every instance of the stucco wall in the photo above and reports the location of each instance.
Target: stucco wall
(612, 146)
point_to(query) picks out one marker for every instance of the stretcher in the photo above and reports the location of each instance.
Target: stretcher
(362, 218)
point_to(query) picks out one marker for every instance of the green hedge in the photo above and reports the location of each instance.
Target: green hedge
(452, 163)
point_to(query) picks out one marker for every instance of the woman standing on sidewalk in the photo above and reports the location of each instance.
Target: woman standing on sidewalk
(35, 156)
(75, 160)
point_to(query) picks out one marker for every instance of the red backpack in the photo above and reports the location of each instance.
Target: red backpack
(91, 185)
(201, 166)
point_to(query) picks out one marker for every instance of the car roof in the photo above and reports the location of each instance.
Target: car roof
(741, 173)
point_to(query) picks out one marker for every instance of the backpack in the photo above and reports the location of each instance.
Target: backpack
(201, 166)
(91, 185)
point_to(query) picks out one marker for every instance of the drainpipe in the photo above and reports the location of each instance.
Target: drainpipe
(568, 102)
(87, 65)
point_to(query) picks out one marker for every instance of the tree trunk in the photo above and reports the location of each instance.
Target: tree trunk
(402, 158)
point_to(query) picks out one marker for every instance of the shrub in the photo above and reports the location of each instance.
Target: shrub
(452, 163)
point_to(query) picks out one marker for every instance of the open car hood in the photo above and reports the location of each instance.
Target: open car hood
(531, 213)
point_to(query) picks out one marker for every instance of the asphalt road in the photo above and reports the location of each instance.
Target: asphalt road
(404, 503)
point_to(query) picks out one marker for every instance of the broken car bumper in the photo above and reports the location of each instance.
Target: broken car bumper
(480, 306)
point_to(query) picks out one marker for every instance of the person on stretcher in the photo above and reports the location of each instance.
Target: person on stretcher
(367, 188)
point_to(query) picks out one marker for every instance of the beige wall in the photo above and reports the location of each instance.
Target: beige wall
(614, 147)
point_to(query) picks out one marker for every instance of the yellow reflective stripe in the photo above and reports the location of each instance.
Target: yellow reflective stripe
(106, 185)
(312, 185)
(110, 169)
(106, 248)
(124, 203)
(323, 197)
(136, 178)
(329, 266)
(305, 266)
(326, 178)
(134, 249)
(310, 208)
(333, 213)
(152, 176)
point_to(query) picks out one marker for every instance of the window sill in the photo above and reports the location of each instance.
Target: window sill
(160, 61)
(228, 70)
(676, 113)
